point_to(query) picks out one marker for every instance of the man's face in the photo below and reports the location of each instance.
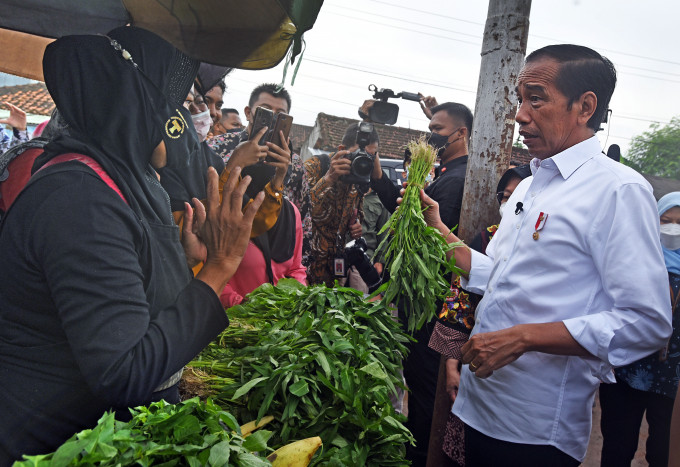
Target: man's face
(231, 121)
(213, 100)
(372, 148)
(546, 124)
(266, 100)
(442, 123)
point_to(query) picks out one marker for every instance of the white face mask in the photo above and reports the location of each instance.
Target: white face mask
(202, 124)
(502, 208)
(670, 236)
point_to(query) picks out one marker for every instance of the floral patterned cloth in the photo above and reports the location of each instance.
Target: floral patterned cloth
(225, 143)
(7, 143)
(659, 372)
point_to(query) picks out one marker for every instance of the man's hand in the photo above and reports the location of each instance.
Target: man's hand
(489, 351)
(223, 228)
(426, 104)
(248, 152)
(431, 212)
(340, 166)
(355, 230)
(16, 119)
(452, 378)
(377, 172)
(279, 158)
(486, 352)
(379, 267)
(365, 108)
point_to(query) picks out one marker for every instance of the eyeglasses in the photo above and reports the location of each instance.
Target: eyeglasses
(499, 196)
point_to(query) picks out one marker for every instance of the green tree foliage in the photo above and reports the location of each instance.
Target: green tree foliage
(657, 151)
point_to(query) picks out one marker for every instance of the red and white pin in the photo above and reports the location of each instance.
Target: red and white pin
(540, 223)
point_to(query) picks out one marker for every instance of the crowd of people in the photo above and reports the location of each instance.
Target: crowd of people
(136, 216)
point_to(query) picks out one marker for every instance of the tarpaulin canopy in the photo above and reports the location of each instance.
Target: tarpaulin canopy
(249, 34)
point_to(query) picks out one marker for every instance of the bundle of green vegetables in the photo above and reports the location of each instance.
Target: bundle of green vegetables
(416, 253)
(322, 362)
(192, 433)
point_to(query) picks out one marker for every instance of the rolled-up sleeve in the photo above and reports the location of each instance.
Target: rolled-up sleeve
(481, 266)
(624, 244)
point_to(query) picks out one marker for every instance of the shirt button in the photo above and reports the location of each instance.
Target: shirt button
(517, 226)
(533, 194)
(490, 289)
(505, 259)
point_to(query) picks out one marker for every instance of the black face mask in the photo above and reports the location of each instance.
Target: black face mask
(261, 174)
(441, 142)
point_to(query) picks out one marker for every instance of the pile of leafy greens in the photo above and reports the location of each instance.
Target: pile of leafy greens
(192, 433)
(324, 362)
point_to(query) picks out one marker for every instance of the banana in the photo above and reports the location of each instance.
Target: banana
(252, 426)
(295, 454)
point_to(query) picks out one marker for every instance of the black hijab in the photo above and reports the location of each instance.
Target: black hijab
(121, 95)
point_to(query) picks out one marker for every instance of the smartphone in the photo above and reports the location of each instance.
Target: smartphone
(282, 122)
(262, 118)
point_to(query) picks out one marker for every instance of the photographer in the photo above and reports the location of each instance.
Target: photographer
(336, 203)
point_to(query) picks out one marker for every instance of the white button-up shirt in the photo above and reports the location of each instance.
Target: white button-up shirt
(596, 266)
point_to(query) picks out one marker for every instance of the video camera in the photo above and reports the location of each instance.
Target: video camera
(384, 112)
(355, 252)
(361, 161)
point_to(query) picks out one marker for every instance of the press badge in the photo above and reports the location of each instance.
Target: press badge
(339, 267)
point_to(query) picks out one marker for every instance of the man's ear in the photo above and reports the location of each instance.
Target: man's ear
(247, 113)
(588, 105)
(341, 147)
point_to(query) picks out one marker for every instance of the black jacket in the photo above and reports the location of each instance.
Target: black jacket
(96, 311)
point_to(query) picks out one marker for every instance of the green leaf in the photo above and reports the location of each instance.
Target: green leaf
(185, 427)
(374, 369)
(300, 388)
(247, 387)
(257, 441)
(245, 459)
(219, 454)
(394, 267)
(323, 362)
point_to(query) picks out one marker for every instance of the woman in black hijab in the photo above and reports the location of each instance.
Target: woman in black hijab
(98, 308)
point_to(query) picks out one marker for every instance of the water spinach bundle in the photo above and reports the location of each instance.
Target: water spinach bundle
(322, 362)
(192, 433)
(416, 253)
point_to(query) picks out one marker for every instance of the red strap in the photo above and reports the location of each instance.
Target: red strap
(91, 163)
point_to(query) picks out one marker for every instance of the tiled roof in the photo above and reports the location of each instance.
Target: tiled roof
(393, 139)
(31, 98)
(298, 135)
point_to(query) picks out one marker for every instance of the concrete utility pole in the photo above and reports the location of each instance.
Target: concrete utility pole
(503, 50)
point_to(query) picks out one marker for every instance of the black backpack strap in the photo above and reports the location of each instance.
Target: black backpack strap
(262, 242)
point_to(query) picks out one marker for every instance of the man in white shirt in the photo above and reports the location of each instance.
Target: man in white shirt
(574, 281)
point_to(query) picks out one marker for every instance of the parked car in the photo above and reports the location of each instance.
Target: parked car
(394, 169)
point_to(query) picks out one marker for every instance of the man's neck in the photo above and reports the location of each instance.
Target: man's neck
(453, 157)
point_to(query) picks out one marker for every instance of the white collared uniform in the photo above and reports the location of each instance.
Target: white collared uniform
(597, 266)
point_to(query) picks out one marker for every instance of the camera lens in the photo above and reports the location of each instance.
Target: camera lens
(362, 166)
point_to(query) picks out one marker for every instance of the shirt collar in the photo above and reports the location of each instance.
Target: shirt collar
(462, 160)
(570, 159)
